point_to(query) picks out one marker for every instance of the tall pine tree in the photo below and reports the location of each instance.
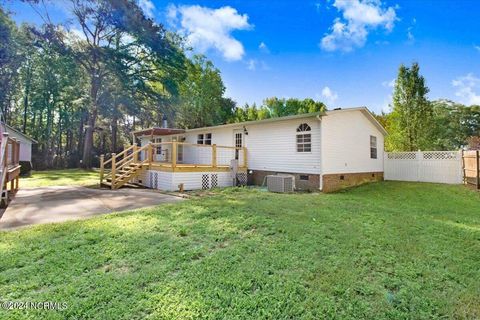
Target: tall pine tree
(411, 126)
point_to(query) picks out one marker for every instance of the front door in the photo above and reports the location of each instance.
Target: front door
(238, 140)
(179, 148)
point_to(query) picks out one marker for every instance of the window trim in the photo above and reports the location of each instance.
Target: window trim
(207, 139)
(373, 147)
(303, 138)
(200, 138)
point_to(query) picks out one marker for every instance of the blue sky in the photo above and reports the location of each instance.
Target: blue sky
(343, 52)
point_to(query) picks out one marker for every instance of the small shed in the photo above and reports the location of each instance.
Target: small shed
(25, 145)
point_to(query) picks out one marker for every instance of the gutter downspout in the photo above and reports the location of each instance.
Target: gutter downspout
(319, 118)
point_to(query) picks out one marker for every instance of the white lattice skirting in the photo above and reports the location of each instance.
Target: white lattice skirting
(169, 181)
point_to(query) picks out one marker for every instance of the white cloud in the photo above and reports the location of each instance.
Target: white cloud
(147, 6)
(359, 17)
(263, 47)
(252, 64)
(207, 28)
(477, 48)
(389, 84)
(410, 35)
(467, 87)
(77, 34)
(329, 95)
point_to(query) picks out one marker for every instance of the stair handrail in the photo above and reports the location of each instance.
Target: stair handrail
(116, 166)
(122, 163)
(114, 155)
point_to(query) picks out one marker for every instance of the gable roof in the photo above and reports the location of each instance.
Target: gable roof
(17, 132)
(363, 110)
(236, 124)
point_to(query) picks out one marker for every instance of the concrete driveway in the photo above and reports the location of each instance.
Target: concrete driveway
(57, 204)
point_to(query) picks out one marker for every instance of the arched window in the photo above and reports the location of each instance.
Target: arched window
(304, 138)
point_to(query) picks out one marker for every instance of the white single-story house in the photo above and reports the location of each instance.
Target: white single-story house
(324, 151)
(25, 145)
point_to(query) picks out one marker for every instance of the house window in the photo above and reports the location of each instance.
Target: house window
(204, 138)
(304, 138)
(373, 147)
(208, 138)
(158, 148)
(200, 139)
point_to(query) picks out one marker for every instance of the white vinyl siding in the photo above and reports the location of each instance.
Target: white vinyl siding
(25, 153)
(273, 147)
(346, 143)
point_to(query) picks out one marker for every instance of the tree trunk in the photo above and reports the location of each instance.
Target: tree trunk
(92, 119)
(88, 143)
(25, 98)
(81, 128)
(114, 133)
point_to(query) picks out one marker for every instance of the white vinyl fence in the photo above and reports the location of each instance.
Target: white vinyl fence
(424, 166)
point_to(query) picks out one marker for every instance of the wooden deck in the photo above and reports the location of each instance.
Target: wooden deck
(130, 163)
(188, 167)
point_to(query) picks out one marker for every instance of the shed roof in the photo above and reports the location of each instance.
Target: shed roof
(18, 132)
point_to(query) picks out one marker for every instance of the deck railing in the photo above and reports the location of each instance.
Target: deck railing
(177, 154)
(170, 155)
(9, 166)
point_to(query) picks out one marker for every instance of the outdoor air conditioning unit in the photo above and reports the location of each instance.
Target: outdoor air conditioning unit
(280, 183)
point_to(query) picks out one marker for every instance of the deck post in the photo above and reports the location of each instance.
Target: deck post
(245, 157)
(174, 155)
(150, 155)
(477, 156)
(214, 155)
(135, 153)
(114, 155)
(102, 167)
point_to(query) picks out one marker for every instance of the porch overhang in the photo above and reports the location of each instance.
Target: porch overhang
(156, 131)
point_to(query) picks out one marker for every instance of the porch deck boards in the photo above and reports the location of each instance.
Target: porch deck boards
(188, 167)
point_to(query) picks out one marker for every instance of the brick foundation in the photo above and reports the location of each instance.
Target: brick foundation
(337, 181)
(312, 182)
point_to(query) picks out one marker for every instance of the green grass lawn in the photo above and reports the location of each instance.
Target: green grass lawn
(64, 177)
(387, 250)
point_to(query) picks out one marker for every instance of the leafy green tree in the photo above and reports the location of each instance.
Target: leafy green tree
(276, 107)
(454, 124)
(412, 116)
(201, 96)
(11, 59)
(99, 54)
